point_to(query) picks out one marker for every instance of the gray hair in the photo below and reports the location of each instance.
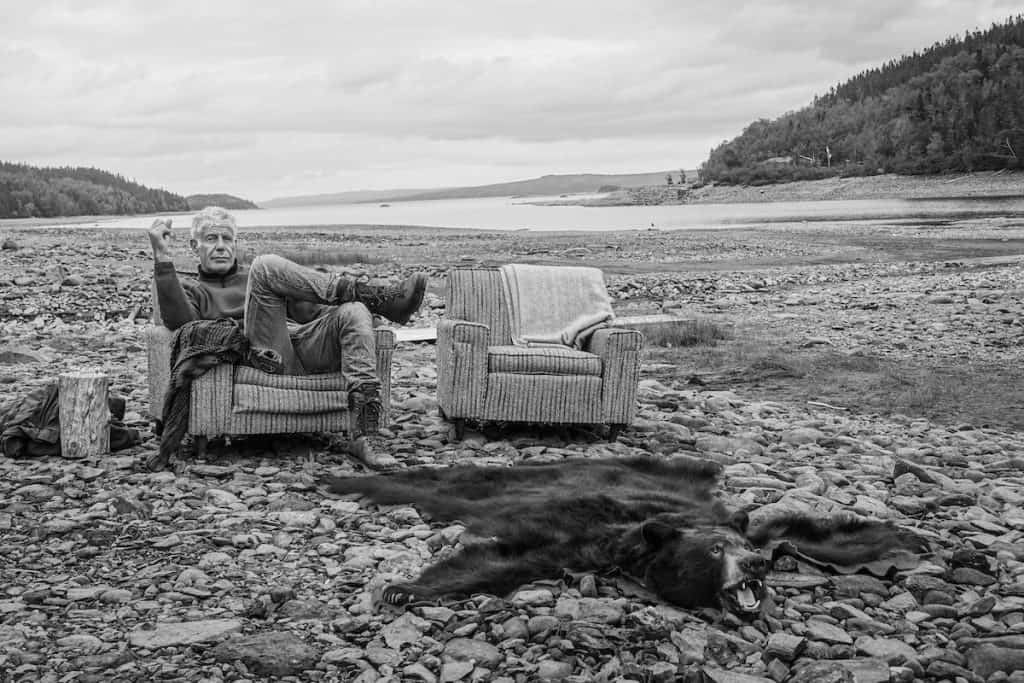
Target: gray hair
(212, 216)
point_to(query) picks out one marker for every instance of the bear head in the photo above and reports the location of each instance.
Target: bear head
(704, 566)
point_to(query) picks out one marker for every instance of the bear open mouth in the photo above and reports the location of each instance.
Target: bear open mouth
(745, 596)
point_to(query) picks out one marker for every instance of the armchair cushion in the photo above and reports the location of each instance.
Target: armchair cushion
(252, 398)
(258, 392)
(542, 360)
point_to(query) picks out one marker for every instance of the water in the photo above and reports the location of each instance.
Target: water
(504, 213)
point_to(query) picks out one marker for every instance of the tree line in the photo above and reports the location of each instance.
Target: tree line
(29, 191)
(956, 106)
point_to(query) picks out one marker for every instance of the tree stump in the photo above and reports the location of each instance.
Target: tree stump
(84, 414)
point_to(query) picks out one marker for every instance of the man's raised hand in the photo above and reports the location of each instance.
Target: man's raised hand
(160, 239)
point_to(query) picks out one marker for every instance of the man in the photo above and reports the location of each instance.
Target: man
(297, 320)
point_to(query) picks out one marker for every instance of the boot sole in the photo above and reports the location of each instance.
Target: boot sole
(417, 298)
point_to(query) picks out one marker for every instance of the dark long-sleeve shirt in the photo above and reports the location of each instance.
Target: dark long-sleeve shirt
(210, 297)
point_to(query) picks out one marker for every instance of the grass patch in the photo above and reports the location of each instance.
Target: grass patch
(953, 393)
(686, 333)
(317, 257)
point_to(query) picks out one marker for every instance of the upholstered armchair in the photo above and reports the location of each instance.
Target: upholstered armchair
(233, 400)
(482, 375)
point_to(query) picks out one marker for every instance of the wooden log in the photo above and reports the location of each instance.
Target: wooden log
(84, 414)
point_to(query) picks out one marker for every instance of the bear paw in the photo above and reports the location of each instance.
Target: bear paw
(399, 594)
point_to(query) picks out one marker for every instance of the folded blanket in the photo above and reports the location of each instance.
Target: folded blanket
(555, 304)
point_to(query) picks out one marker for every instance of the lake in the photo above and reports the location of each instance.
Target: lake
(504, 213)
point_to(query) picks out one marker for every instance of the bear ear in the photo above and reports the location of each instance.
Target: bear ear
(740, 521)
(657, 533)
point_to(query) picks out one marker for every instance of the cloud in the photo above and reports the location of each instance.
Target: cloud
(263, 98)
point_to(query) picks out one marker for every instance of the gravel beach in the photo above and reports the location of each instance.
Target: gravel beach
(240, 567)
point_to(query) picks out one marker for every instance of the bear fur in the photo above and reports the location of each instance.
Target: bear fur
(656, 520)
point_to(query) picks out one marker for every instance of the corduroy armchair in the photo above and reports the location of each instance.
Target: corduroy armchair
(481, 375)
(232, 400)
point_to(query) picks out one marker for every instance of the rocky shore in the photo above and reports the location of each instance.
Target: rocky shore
(883, 186)
(240, 568)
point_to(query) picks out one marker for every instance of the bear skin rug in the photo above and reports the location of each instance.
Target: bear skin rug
(657, 521)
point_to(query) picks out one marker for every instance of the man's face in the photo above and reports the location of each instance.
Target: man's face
(215, 249)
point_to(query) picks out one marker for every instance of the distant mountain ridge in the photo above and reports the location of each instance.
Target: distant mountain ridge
(348, 197)
(544, 185)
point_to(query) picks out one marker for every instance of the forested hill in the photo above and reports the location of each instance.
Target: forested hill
(197, 202)
(956, 106)
(28, 191)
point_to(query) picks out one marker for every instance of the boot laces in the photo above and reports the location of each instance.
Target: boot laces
(377, 295)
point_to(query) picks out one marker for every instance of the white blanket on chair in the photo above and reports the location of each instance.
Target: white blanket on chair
(555, 304)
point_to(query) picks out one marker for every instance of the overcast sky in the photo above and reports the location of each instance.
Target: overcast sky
(267, 98)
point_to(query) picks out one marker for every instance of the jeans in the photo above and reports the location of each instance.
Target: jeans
(340, 339)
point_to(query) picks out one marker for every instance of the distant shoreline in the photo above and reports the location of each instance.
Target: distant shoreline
(994, 184)
(986, 185)
(989, 184)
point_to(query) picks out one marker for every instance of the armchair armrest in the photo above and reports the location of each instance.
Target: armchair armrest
(461, 367)
(384, 341)
(619, 350)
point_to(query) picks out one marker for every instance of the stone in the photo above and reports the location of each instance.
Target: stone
(471, 650)
(823, 672)
(304, 609)
(852, 585)
(455, 671)
(296, 519)
(784, 646)
(221, 498)
(820, 630)
(553, 670)
(406, 629)
(590, 609)
(971, 577)
(985, 660)
(920, 584)
(115, 595)
(272, 653)
(893, 651)
(533, 596)
(214, 559)
(82, 642)
(342, 655)
(85, 593)
(901, 602)
(866, 670)
(692, 644)
(716, 675)
(941, 669)
(169, 634)
(804, 435)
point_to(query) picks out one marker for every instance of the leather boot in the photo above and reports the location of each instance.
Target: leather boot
(396, 302)
(369, 450)
(365, 406)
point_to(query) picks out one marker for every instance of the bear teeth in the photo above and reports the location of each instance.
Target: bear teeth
(745, 595)
(746, 598)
